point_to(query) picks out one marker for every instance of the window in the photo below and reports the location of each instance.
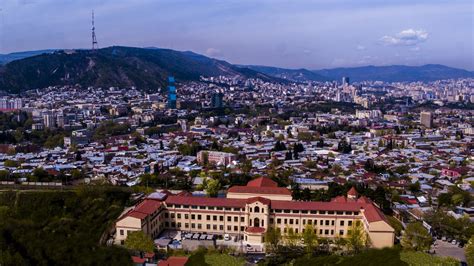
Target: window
(256, 209)
(271, 220)
(242, 219)
(202, 207)
(186, 225)
(219, 208)
(349, 223)
(236, 228)
(342, 223)
(194, 207)
(228, 209)
(121, 232)
(330, 212)
(193, 226)
(313, 212)
(177, 206)
(339, 213)
(326, 232)
(166, 215)
(229, 228)
(332, 222)
(327, 222)
(296, 221)
(241, 228)
(291, 221)
(173, 224)
(304, 221)
(286, 221)
(287, 211)
(236, 219)
(296, 230)
(172, 215)
(322, 212)
(229, 219)
(278, 221)
(309, 222)
(221, 218)
(320, 231)
(341, 232)
(221, 227)
(208, 217)
(193, 216)
(304, 211)
(348, 213)
(179, 225)
(199, 226)
(208, 226)
(179, 215)
(185, 206)
(214, 217)
(321, 222)
(186, 216)
(167, 224)
(199, 217)
(214, 227)
(356, 213)
(332, 232)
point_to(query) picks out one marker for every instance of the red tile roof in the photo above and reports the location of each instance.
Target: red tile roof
(255, 230)
(174, 261)
(260, 190)
(138, 260)
(148, 206)
(260, 199)
(262, 182)
(202, 201)
(352, 192)
(315, 205)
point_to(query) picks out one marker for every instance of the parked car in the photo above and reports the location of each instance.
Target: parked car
(226, 237)
(250, 248)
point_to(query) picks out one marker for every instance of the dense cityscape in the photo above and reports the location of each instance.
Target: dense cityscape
(236, 133)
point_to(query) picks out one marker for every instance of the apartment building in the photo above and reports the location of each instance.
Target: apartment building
(250, 217)
(216, 157)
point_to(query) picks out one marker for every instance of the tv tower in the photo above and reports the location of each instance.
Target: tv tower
(95, 45)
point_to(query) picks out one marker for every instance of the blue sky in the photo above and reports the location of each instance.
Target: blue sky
(292, 33)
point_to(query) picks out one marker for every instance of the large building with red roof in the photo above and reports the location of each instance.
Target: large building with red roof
(248, 211)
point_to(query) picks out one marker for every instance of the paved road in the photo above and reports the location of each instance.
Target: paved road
(446, 249)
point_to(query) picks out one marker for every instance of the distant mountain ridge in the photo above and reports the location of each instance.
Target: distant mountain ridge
(298, 75)
(145, 69)
(148, 69)
(396, 73)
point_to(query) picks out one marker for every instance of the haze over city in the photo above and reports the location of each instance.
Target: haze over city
(293, 34)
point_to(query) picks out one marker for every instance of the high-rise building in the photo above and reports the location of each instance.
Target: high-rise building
(345, 81)
(426, 119)
(49, 119)
(217, 100)
(171, 93)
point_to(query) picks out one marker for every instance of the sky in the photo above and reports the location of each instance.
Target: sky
(284, 33)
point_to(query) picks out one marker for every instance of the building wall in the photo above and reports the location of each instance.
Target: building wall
(125, 226)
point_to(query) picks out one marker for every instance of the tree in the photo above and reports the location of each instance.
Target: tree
(139, 241)
(212, 187)
(416, 237)
(310, 238)
(291, 237)
(469, 251)
(272, 238)
(358, 238)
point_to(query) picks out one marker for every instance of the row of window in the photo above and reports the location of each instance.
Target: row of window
(322, 232)
(315, 212)
(194, 207)
(304, 221)
(208, 217)
(257, 209)
(214, 227)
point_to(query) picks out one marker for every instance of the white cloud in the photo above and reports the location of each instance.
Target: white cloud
(214, 52)
(360, 47)
(408, 37)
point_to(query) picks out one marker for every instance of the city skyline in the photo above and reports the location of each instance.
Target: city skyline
(313, 34)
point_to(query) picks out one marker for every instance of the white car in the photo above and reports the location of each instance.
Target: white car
(226, 237)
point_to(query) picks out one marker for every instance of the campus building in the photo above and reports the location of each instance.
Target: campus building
(248, 211)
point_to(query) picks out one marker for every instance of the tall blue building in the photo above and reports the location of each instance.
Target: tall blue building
(171, 93)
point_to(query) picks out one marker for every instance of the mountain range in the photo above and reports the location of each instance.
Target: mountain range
(148, 69)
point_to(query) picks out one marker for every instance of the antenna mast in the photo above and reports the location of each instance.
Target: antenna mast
(94, 39)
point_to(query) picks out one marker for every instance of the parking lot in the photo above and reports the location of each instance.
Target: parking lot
(232, 241)
(444, 248)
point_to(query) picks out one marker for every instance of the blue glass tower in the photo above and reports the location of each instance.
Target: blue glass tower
(171, 93)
